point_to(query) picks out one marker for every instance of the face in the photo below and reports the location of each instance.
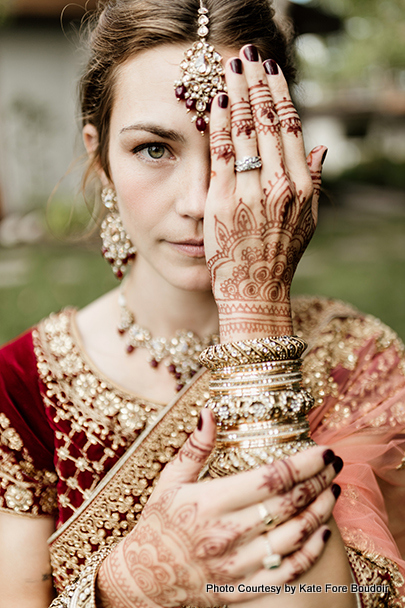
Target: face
(160, 169)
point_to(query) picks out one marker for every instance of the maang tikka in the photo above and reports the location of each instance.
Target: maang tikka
(202, 74)
(117, 248)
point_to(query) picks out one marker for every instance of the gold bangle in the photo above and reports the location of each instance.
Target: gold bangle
(245, 352)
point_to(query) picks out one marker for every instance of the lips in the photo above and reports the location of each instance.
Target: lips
(191, 247)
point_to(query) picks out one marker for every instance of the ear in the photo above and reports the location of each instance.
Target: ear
(90, 139)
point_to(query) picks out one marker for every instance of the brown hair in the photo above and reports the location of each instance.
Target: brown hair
(125, 27)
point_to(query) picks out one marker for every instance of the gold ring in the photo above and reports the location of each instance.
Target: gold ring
(271, 560)
(269, 521)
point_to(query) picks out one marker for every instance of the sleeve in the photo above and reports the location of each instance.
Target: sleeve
(361, 392)
(27, 475)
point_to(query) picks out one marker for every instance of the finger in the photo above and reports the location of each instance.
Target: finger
(270, 480)
(283, 507)
(265, 117)
(315, 160)
(290, 123)
(221, 145)
(291, 568)
(188, 463)
(242, 125)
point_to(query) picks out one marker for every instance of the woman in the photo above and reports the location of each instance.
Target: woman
(219, 224)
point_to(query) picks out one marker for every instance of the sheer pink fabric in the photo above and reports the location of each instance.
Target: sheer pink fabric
(365, 424)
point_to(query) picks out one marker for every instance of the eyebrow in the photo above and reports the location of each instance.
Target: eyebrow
(156, 130)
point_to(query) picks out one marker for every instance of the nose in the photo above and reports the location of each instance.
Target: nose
(193, 187)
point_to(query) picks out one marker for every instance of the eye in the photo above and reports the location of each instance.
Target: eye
(154, 151)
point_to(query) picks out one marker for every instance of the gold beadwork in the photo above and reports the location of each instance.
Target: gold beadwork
(202, 74)
(245, 352)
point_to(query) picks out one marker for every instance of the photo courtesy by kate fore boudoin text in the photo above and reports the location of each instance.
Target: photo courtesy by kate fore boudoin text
(301, 588)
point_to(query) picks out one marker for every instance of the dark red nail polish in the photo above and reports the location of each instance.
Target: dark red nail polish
(251, 53)
(223, 101)
(270, 67)
(324, 156)
(338, 464)
(236, 66)
(328, 456)
(200, 423)
(336, 490)
(326, 535)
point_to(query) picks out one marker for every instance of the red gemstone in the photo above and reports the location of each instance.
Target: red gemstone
(172, 368)
(103, 251)
(179, 387)
(121, 331)
(119, 274)
(201, 124)
(209, 104)
(130, 348)
(190, 103)
(177, 376)
(180, 91)
(154, 363)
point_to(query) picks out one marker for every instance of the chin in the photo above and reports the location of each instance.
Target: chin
(196, 279)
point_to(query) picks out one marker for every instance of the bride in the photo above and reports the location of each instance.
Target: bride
(211, 202)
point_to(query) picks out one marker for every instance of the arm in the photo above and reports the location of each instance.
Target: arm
(257, 226)
(25, 572)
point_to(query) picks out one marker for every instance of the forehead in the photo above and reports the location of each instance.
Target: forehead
(144, 86)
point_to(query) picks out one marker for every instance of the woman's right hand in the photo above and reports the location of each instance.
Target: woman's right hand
(191, 534)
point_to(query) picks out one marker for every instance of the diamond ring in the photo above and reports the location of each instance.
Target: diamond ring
(248, 163)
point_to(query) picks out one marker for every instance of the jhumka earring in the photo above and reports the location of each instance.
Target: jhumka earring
(117, 248)
(202, 74)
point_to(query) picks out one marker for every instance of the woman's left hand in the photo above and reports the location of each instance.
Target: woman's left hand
(257, 223)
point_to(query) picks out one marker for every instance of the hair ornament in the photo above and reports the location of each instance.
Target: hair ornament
(202, 74)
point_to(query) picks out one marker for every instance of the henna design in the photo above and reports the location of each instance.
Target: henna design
(169, 557)
(241, 119)
(289, 120)
(257, 257)
(194, 450)
(309, 522)
(222, 146)
(279, 477)
(301, 561)
(263, 109)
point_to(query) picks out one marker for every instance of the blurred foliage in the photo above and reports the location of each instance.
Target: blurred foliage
(379, 171)
(372, 40)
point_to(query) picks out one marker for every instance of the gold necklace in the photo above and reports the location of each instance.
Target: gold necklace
(180, 353)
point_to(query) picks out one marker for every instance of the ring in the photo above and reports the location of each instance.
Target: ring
(272, 560)
(248, 163)
(268, 520)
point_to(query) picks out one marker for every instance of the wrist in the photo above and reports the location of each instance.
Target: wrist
(241, 320)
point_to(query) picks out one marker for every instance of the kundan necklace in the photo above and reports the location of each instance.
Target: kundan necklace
(181, 353)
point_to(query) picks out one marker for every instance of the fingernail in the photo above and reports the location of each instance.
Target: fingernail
(328, 456)
(270, 67)
(324, 156)
(251, 53)
(223, 101)
(236, 66)
(326, 535)
(200, 422)
(336, 490)
(338, 464)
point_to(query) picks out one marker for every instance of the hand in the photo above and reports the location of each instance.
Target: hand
(258, 223)
(193, 534)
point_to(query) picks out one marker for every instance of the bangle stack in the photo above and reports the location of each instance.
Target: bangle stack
(260, 405)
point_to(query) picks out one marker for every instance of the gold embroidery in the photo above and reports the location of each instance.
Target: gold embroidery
(20, 479)
(372, 569)
(114, 510)
(344, 332)
(97, 420)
